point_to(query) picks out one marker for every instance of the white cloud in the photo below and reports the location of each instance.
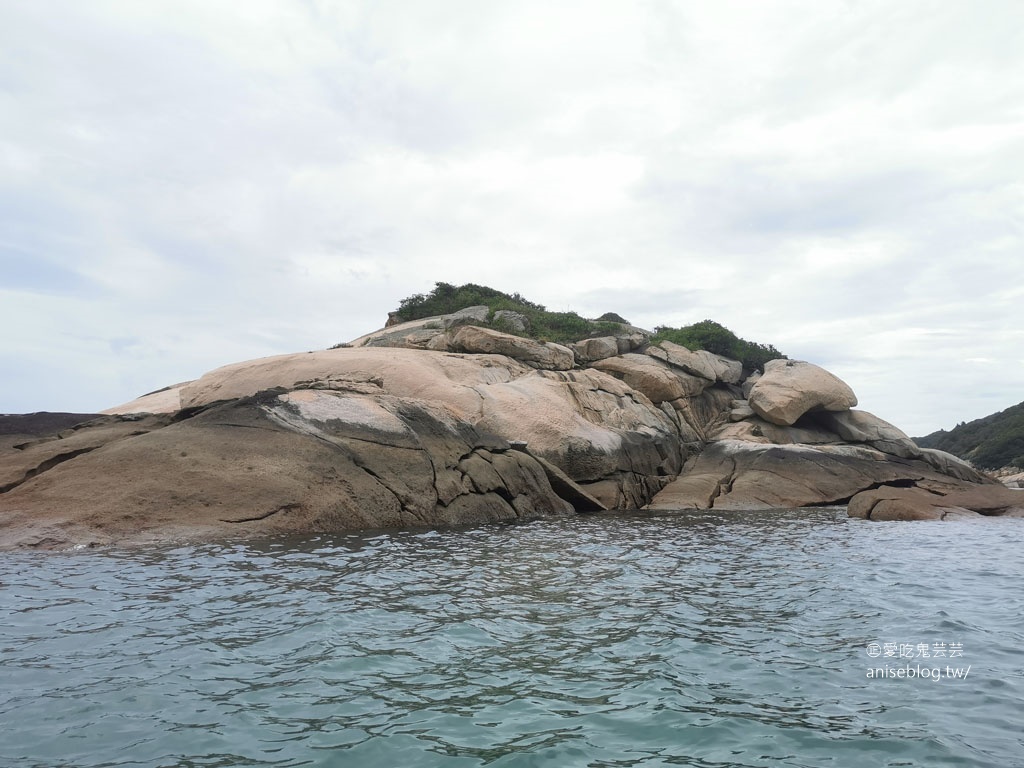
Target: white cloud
(186, 184)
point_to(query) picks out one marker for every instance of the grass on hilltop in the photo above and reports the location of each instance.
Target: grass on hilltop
(567, 327)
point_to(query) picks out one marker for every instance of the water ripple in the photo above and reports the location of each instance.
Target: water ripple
(704, 639)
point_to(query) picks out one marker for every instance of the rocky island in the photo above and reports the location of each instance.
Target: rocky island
(459, 419)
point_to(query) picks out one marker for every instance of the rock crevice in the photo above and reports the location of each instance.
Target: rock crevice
(443, 422)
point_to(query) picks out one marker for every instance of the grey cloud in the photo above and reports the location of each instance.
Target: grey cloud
(840, 181)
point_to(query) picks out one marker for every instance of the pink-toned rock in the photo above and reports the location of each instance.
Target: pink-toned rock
(341, 439)
(654, 378)
(790, 388)
(305, 461)
(589, 350)
(726, 370)
(956, 502)
(687, 360)
(740, 474)
(536, 354)
(166, 400)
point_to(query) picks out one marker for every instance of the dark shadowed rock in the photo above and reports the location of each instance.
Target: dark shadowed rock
(39, 424)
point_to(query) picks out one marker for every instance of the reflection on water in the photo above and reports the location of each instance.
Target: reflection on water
(704, 639)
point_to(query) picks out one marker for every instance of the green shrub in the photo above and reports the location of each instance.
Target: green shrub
(611, 317)
(565, 327)
(561, 327)
(447, 298)
(716, 338)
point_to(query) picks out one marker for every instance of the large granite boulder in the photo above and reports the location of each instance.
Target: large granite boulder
(684, 359)
(537, 354)
(604, 434)
(511, 321)
(702, 363)
(1015, 480)
(863, 427)
(426, 334)
(740, 474)
(345, 438)
(591, 350)
(889, 503)
(443, 422)
(726, 371)
(790, 388)
(654, 378)
(593, 426)
(304, 460)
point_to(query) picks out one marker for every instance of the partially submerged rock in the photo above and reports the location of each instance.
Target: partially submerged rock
(889, 503)
(360, 437)
(740, 474)
(444, 422)
(309, 460)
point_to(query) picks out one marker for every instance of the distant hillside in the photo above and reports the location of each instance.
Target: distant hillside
(992, 442)
(43, 423)
(564, 327)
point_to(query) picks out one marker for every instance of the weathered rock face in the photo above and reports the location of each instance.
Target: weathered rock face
(1015, 480)
(592, 425)
(537, 354)
(590, 350)
(345, 438)
(739, 474)
(790, 388)
(608, 437)
(166, 400)
(441, 422)
(652, 377)
(35, 455)
(921, 504)
(684, 359)
(310, 460)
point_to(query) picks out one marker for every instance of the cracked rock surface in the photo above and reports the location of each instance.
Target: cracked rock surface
(306, 460)
(407, 428)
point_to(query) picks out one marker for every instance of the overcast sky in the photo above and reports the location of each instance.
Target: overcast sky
(191, 183)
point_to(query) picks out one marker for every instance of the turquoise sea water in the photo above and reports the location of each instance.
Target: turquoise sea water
(629, 639)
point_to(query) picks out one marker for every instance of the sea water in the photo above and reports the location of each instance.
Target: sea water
(782, 638)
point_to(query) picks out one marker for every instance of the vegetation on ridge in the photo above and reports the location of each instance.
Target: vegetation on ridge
(992, 442)
(715, 337)
(560, 327)
(564, 327)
